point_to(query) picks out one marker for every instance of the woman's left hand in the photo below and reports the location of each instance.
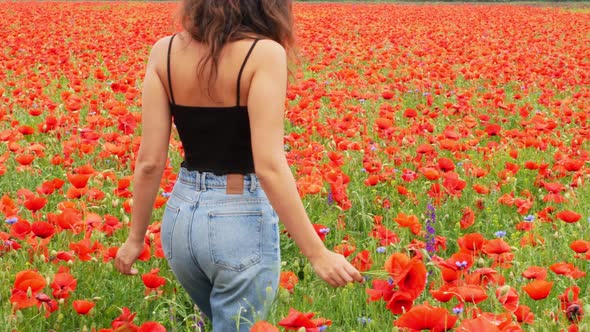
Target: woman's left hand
(126, 256)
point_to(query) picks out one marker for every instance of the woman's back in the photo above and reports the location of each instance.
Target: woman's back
(191, 89)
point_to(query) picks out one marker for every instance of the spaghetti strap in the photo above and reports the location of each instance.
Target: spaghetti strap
(168, 69)
(241, 70)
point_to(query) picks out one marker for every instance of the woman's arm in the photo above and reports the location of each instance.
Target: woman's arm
(266, 100)
(151, 159)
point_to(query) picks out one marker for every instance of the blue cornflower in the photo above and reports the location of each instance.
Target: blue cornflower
(166, 194)
(529, 218)
(11, 220)
(461, 265)
(457, 310)
(390, 281)
(363, 169)
(500, 234)
(330, 198)
(323, 328)
(364, 320)
(325, 230)
(380, 250)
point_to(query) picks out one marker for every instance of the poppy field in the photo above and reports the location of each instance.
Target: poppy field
(443, 149)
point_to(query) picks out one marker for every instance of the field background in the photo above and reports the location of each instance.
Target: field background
(412, 129)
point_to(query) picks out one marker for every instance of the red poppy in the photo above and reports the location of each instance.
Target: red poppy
(79, 181)
(362, 261)
(43, 229)
(426, 317)
(34, 203)
(125, 321)
(152, 280)
(569, 216)
(151, 327)
(524, 315)
(468, 218)
(264, 326)
(535, 272)
(410, 221)
(382, 289)
(469, 293)
(20, 229)
(472, 242)
(400, 302)
(296, 320)
(538, 289)
(580, 246)
(82, 307)
(508, 297)
(408, 274)
(63, 283)
(288, 280)
(480, 323)
(567, 269)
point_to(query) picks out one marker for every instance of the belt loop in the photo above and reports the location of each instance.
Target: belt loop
(202, 176)
(252, 183)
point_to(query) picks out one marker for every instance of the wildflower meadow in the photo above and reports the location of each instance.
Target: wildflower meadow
(444, 149)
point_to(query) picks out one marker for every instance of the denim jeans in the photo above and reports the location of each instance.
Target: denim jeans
(223, 248)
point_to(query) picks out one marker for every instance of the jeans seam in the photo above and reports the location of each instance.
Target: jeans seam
(173, 221)
(190, 240)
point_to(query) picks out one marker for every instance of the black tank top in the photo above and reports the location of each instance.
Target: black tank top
(214, 139)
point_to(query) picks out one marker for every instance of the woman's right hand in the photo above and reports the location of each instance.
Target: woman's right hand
(334, 269)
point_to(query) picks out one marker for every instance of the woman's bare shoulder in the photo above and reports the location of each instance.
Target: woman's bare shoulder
(268, 52)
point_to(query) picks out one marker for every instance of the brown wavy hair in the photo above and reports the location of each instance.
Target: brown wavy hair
(218, 22)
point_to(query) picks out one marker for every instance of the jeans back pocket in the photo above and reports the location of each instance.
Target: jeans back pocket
(235, 238)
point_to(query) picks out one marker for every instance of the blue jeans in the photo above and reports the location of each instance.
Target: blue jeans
(223, 248)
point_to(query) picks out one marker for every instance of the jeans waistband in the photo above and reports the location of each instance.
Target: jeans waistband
(204, 180)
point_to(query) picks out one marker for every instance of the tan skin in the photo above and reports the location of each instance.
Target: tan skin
(263, 90)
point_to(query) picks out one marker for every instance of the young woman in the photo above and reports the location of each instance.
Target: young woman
(223, 82)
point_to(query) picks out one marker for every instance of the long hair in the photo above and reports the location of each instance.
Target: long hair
(217, 22)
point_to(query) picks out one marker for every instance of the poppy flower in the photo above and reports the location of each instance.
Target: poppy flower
(79, 181)
(567, 269)
(468, 218)
(82, 307)
(469, 293)
(263, 326)
(426, 317)
(20, 229)
(538, 289)
(569, 216)
(42, 229)
(288, 280)
(409, 221)
(296, 320)
(535, 272)
(125, 321)
(524, 315)
(152, 280)
(362, 261)
(480, 323)
(34, 203)
(381, 289)
(472, 242)
(400, 302)
(63, 283)
(151, 327)
(508, 297)
(580, 246)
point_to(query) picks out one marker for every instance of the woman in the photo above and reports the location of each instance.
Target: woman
(223, 80)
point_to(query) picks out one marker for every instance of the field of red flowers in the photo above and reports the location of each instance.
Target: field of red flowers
(443, 149)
